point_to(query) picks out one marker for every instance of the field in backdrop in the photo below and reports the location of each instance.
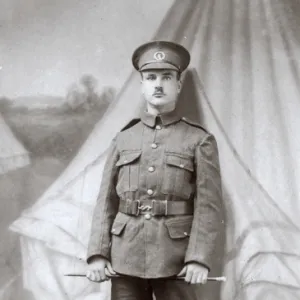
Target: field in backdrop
(52, 129)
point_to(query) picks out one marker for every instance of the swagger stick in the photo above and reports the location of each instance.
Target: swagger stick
(222, 278)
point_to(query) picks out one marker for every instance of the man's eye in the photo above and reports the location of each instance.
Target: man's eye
(150, 78)
(167, 77)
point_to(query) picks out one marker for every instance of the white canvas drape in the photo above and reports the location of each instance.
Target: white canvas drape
(250, 70)
(246, 85)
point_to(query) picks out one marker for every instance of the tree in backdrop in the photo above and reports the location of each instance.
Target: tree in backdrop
(85, 94)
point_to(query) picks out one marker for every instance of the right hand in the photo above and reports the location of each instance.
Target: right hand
(99, 270)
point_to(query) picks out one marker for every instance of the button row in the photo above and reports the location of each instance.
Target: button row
(151, 169)
(150, 192)
(147, 216)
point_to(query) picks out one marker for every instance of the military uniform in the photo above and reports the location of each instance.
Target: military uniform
(159, 203)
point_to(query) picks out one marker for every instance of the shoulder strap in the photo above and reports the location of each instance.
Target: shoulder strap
(130, 124)
(195, 124)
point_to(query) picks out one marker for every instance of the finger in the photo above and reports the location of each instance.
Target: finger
(97, 276)
(199, 278)
(103, 277)
(182, 272)
(188, 276)
(108, 274)
(92, 276)
(110, 269)
(88, 274)
(194, 278)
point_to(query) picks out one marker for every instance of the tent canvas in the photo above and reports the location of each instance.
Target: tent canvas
(240, 51)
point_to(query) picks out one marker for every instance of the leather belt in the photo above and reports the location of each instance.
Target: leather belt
(156, 207)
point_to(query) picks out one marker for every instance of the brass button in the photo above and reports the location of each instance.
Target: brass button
(185, 233)
(113, 230)
(150, 192)
(158, 127)
(151, 169)
(147, 216)
(181, 165)
(153, 146)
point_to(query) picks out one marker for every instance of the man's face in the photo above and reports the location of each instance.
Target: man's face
(160, 87)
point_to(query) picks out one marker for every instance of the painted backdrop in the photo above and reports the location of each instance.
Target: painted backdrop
(243, 86)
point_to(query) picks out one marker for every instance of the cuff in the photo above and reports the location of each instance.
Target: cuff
(200, 263)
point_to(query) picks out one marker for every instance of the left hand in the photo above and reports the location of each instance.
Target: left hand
(194, 273)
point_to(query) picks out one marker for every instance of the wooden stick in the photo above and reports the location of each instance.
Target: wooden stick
(222, 278)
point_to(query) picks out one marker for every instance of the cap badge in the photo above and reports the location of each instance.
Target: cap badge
(159, 55)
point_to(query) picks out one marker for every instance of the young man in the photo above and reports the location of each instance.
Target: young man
(157, 215)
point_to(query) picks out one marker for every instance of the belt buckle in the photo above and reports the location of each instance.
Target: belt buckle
(138, 207)
(165, 207)
(143, 208)
(152, 207)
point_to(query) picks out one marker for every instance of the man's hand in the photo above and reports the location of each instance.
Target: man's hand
(194, 273)
(99, 269)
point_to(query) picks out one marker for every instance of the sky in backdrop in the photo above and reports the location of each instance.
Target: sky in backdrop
(46, 45)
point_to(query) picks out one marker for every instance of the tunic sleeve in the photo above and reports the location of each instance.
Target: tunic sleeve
(207, 203)
(106, 208)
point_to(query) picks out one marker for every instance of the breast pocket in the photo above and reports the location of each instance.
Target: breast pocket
(178, 175)
(128, 164)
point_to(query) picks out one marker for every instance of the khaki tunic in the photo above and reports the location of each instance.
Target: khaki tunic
(158, 158)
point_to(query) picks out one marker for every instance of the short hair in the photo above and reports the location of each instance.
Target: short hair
(178, 74)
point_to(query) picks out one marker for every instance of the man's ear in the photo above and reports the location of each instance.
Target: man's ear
(179, 86)
(141, 74)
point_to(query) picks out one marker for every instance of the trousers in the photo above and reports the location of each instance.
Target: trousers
(134, 288)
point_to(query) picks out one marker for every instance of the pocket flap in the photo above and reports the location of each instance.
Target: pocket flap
(119, 224)
(128, 157)
(179, 228)
(180, 161)
(117, 228)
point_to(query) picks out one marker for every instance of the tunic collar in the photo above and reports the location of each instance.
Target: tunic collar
(164, 119)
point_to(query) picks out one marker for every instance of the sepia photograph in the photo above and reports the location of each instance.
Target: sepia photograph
(149, 150)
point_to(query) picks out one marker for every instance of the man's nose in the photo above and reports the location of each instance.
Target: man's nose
(158, 82)
(159, 89)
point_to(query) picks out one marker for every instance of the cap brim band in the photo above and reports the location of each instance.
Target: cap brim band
(158, 65)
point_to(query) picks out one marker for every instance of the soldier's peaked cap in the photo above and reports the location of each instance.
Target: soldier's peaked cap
(161, 55)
